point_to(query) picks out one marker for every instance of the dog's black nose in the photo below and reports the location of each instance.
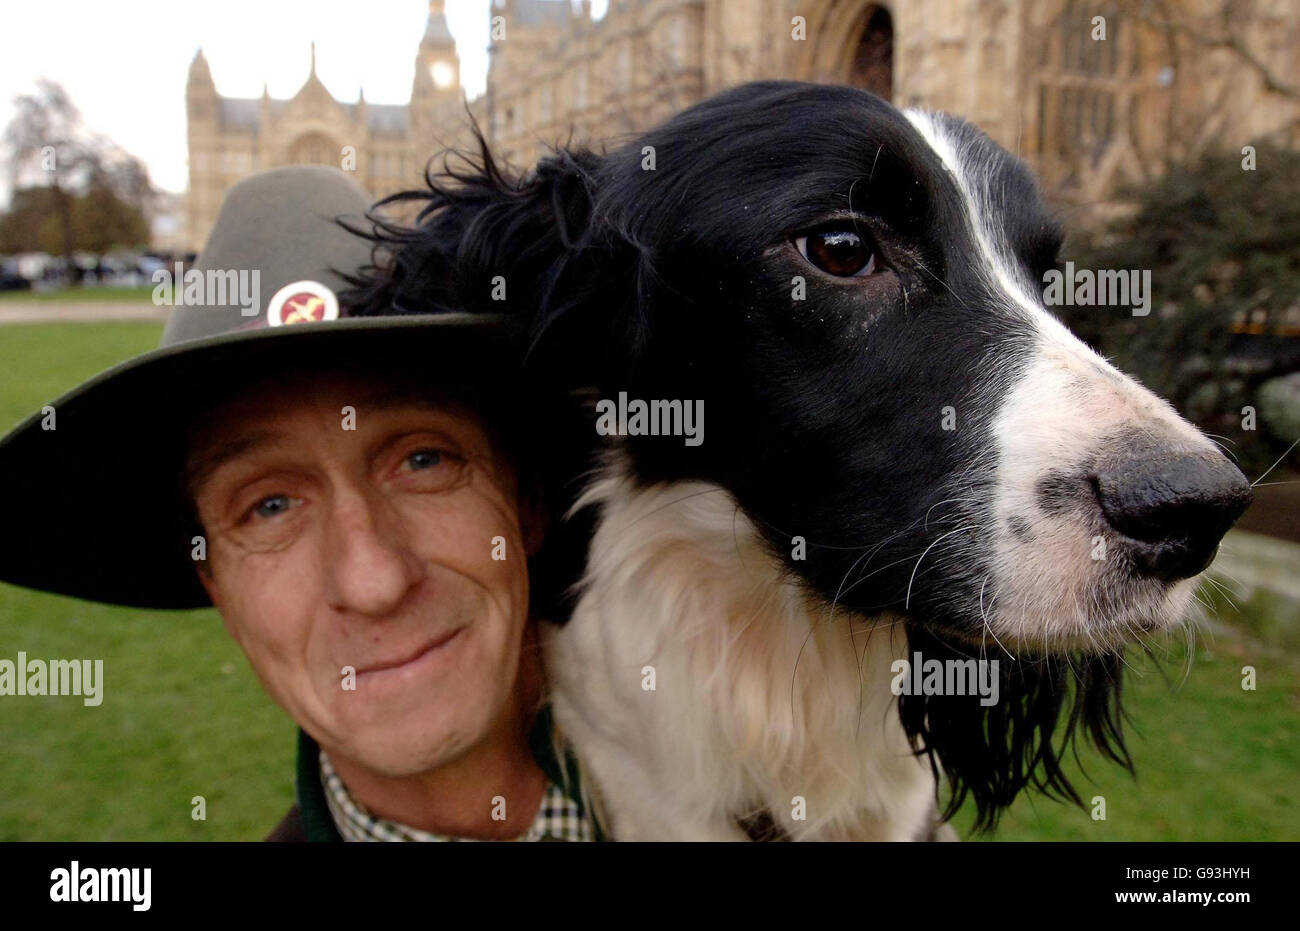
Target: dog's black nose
(1175, 508)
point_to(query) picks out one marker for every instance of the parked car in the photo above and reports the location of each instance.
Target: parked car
(11, 279)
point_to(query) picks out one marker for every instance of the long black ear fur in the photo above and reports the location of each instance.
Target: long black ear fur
(488, 240)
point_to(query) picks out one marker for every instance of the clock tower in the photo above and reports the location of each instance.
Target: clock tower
(437, 66)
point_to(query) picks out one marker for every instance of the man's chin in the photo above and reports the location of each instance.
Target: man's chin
(401, 752)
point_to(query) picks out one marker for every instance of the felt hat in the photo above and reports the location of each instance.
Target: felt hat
(90, 500)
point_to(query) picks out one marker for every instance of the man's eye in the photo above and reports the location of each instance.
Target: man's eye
(838, 251)
(272, 506)
(431, 470)
(424, 459)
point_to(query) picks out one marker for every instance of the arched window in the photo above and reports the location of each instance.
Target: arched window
(1080, 78)
(314, 149)
(873, 60)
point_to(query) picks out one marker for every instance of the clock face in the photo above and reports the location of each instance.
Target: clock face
(444, 75)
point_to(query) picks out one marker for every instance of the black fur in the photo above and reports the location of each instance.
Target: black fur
(823, 415)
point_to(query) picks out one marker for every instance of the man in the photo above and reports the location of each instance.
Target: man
(354, 496)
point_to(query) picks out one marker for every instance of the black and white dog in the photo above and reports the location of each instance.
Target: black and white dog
(905, 454)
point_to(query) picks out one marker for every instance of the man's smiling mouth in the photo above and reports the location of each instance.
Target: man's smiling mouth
(412, 656)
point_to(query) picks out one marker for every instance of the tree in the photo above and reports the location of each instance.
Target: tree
(100, 220)
(86, 174)
(45, 134)
(1220, 242)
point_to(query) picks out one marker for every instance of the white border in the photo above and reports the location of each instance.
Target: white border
(275, 308)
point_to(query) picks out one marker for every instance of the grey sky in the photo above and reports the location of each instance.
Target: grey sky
(124, 62)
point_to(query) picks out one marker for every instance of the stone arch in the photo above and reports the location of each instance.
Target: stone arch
(314, 148)
(849, 42)
(872, 64)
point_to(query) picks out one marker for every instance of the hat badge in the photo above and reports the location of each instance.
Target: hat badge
(302, 302)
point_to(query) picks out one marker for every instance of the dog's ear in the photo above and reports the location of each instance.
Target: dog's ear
(486, 240)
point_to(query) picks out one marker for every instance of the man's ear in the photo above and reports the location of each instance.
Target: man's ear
(205, 579)
(203, 569)
(210, 586)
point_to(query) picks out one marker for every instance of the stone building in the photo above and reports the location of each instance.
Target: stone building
(386, 145)
(1088, 107)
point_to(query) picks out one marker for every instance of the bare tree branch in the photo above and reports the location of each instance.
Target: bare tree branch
(1231, 41)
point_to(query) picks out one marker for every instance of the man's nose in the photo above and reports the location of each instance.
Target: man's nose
(368, 562)
(1174, 509)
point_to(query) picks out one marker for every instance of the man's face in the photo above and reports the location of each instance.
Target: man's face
(370, 548)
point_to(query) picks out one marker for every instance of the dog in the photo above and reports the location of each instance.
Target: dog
(907, 459)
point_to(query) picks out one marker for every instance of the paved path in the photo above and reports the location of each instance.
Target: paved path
(80, 311)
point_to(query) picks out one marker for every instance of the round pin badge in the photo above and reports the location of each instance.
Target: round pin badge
(302, 302)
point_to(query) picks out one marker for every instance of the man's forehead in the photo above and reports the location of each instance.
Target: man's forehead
(287, 394)
(262, 414)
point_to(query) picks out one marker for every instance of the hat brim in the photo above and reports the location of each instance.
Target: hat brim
(89, 507)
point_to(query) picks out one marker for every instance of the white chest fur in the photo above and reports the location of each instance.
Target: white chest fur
(698, 683)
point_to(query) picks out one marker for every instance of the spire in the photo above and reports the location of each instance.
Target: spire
(200, 73)
(435, 29)
(313, 85)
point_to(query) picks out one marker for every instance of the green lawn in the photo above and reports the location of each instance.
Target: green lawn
(89, 293)
(40, 361)
(1213, 761)
(183, 715)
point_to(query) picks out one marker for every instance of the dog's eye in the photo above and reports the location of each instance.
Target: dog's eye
(838, 251)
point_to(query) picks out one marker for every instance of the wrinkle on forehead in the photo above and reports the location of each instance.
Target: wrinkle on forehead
(215, 437)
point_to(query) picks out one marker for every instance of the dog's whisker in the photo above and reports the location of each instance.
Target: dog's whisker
(907, 602)
(1279, 461)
